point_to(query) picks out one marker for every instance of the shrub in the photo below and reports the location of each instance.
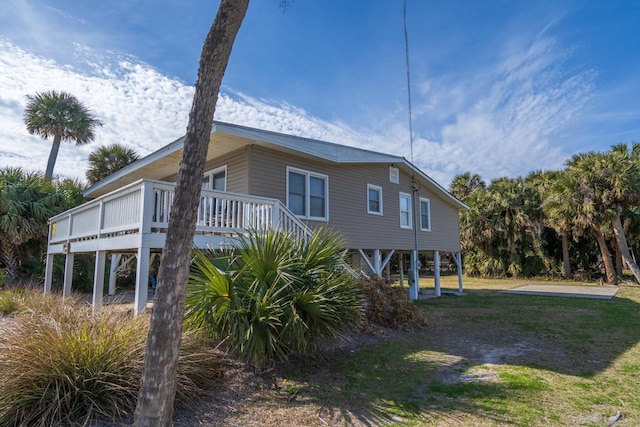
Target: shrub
(389, 306)
(273, 294)
(63, 364)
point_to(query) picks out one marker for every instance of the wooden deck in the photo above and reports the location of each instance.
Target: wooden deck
(134, 219)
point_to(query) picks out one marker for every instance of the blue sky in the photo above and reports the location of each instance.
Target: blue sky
(499, 87)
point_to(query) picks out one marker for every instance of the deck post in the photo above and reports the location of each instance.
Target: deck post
(414, 287)
(48, 274)
(377, 262)
(436, 272)
(68, 275)
(457, 257)
(401, 266)
(142, 281)
(98, 280)
(113, 268)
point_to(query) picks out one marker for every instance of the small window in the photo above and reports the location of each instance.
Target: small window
(405, 210)
(215, 179)
(425, 214)
(374, 199)
(307, 194)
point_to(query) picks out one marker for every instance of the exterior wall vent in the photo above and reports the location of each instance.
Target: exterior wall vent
(394, 175)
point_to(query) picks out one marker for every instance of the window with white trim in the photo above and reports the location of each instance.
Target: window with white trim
(425, 214)
(374, 199)
(307, 194)
(405, 210)
(215, 179)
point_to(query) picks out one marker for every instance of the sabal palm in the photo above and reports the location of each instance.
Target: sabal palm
(513, 203)
(274, 294)
(108, 159)
(557, 191)
(462, 185)
(59, 115)
(618, 184)
(606, 183)
(27, 200)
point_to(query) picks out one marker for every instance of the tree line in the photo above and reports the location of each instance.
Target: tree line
(583, 218)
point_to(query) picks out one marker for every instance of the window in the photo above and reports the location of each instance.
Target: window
(307, 194)
(215, 179)
(405, 210)
(374, 199)
(210, 209)
(425, 214)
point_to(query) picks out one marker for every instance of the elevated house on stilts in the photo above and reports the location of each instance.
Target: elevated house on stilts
(381, 204)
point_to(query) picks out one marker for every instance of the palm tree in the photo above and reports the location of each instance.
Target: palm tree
(621, 175)
(27, 200)
(590, 198)
(464, 184)
(61, 116)
(108, 159)
(556, 193)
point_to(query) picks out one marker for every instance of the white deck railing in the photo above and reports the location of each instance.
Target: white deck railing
(145, 206)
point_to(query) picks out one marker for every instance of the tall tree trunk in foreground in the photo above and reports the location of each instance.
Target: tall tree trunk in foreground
(158, 384)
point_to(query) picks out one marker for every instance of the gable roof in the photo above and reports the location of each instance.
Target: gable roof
(226, 137)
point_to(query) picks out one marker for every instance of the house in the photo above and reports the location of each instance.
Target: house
(380, 203)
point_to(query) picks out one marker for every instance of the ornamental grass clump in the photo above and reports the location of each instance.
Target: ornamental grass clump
(64, 365)
(15, 301)
(274, 294)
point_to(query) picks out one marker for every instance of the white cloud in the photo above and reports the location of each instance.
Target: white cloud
(497, 120)
(501, 120)
(139, 107)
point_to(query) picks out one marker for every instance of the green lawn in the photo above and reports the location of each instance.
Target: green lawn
(487, 359)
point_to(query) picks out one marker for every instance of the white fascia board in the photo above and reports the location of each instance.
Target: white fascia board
(138, 164)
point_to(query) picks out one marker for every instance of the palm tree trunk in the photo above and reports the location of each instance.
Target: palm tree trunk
(158, 384)
(512, 240)
(610, 270)
(565, 255)
(10, 261)
(621, 240)
(618, 257)
(53, 155)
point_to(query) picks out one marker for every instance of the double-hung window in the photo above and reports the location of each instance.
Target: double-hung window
(405, 210)
(374, 199)
(307, 194)
(425, 214)
(215, 179)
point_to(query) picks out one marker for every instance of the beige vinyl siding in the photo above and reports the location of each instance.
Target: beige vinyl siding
(347, 201)
(237, 165)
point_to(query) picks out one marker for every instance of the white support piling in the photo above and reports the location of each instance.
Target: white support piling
(436, 272)
(113, 268)
(48, 274)
(98, 280)
(68, 275)
(458, 260)
(142, 281)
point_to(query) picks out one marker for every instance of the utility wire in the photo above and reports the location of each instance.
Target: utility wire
(406, 45)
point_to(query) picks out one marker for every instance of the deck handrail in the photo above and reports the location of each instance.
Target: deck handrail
(145, 205)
